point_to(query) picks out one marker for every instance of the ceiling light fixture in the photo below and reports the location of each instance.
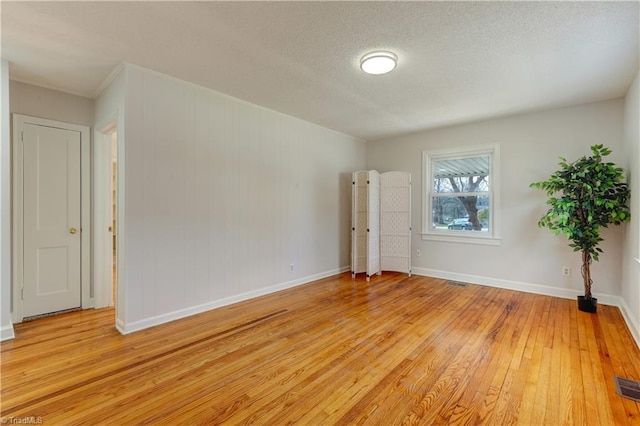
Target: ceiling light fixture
(379, 62)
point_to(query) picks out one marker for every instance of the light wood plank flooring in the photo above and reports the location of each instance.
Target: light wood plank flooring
(397, 350)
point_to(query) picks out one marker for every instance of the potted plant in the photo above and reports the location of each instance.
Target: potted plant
(591, 195)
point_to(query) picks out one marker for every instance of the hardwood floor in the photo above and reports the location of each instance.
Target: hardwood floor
(397, 350)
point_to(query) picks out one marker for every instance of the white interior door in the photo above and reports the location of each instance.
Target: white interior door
(51, 219)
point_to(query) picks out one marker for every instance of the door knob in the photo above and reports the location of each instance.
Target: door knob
(73, 230)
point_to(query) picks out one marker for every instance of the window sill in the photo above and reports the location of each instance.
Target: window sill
(462, 239)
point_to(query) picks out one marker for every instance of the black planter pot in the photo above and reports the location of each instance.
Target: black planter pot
(587, 305)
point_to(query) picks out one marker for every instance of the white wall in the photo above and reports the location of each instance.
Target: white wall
(6, 328)
(528, 258)
(221, 196)
(46, 103)
(631, 247)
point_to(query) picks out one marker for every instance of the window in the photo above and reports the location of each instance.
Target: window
(461, 198)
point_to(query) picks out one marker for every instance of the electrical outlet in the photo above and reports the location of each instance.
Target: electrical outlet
(418, 252)
(566, 271)
(291, 268)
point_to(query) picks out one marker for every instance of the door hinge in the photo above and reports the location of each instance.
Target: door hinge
(22, 294)
(22, 136)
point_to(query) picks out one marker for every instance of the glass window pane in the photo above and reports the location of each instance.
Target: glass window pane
(461, 175)
(466, 213)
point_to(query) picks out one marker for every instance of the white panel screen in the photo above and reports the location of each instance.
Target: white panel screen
(359, 222)
(373, 224)
(395, 221)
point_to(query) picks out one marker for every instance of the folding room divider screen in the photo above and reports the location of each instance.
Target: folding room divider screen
(380, 222)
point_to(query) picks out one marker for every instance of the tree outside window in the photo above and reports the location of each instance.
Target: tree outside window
(460, 192)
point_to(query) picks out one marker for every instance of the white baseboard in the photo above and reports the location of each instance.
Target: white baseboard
(632, 324)
(605, 299)
(120, 326)
(124, 328)
(6, 333)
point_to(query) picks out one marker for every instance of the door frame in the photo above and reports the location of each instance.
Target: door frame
(102, 258)
(86, 291)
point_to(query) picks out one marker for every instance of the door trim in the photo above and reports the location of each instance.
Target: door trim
(86, 291)
(102, 258)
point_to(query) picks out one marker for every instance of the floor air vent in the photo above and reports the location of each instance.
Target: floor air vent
(628, 388)
(456, 283)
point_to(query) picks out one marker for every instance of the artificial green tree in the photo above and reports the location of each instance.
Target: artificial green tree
(592, 194)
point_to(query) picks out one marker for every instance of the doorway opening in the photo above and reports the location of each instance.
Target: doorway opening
(105, 215)
(114, 216)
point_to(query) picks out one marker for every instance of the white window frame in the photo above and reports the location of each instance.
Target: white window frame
(492, 236)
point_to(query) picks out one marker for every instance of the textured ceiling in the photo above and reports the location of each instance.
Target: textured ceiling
(458, 61)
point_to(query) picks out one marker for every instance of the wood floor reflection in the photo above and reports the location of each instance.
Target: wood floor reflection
(396, 350)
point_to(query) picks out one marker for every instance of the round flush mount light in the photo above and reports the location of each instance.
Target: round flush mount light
(380, 62)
